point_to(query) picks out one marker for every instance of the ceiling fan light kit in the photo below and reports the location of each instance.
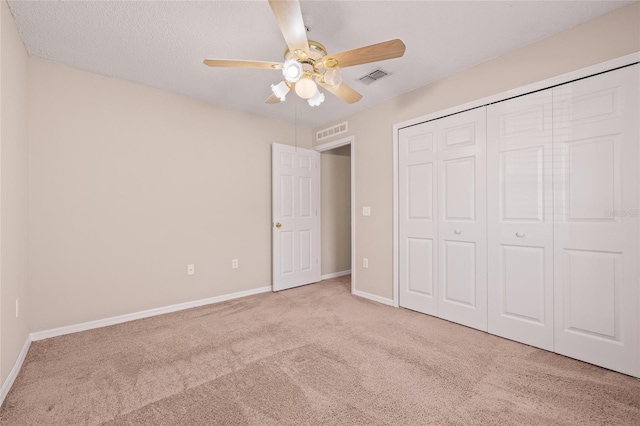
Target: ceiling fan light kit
(307, 60)
(316, 99)
(292, 70)
(306, 88)
(333, 77)
(280, 90)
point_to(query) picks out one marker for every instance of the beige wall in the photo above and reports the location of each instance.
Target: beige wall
(335, 172)
(602, 39)
(130, 184)
(13, 192)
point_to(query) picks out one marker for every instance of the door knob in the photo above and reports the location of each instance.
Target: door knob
(457, 232)
(520, 234)
(278, 224)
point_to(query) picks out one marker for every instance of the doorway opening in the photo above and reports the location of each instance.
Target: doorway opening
(337, 201)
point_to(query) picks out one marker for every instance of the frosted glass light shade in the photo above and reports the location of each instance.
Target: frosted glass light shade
(333, 77)
(280, 90)
(316, 99)
(306, 88)
(292, 70)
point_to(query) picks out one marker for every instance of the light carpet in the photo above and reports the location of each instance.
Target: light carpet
(314, 355)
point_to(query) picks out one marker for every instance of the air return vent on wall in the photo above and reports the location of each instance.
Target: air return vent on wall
(374, 75)
(332, 131)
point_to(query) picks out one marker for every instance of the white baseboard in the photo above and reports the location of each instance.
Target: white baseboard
(45, 334)
(6, 386)
(335, 274)
(375, 298)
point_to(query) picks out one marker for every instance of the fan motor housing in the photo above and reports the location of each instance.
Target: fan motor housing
(316, 52)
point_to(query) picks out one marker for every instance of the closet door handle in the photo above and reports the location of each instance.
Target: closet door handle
(457, 231)
(520, 234)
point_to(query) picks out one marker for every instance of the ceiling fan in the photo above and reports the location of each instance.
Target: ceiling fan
(307, 63)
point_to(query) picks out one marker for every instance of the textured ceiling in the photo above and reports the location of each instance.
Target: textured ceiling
(163, 43)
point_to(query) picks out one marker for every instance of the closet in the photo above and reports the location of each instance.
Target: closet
(520, 218)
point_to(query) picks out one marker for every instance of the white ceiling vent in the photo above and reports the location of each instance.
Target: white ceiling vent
(374, 75)
(331, 131)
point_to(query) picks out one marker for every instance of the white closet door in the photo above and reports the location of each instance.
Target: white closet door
(520, 219)
(417, 218)
(462, 221)
(596, 189)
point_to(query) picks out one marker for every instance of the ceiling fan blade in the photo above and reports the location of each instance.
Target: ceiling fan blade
(363, 55)
(289, 17)
(273, 99)
(344, 92)
(232, 63)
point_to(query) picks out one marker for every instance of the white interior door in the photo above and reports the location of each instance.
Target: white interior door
(295, 183)
(417, 166)
(596, 278)
(462, 218)
(520, 219)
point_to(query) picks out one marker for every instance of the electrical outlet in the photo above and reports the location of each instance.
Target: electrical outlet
(366, 211)
(191, 269)
(365, 262)
(17, 307)
(234, 264)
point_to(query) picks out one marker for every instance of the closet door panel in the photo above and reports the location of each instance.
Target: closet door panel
(520, 221)
(462, 218)
(597, 297)
(417, 218)
(459, 201)
(458, 272)
(523, 284)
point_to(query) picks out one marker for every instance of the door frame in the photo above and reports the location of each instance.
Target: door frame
(502, 96)
(349, 140)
